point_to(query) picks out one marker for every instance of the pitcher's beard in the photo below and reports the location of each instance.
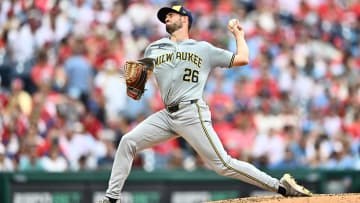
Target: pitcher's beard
(171, 28)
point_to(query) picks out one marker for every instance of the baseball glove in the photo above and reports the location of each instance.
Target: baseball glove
(136, 76)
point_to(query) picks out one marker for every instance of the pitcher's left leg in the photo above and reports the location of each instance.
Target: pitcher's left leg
(202, 137)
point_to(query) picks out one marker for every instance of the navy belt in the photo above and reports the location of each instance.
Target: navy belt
(176, 107)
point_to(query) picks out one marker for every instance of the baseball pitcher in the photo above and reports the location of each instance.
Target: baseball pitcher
(181, 67)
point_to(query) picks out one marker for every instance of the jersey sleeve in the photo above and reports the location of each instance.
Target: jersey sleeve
(147, 52)
(220, 57)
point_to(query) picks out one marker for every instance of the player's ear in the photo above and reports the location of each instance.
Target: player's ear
(186, 20)
(183, 18)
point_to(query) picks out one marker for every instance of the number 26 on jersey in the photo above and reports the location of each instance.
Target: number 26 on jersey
(191, 75)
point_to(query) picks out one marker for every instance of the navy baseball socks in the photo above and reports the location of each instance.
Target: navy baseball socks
(108, 200)
(111, 200)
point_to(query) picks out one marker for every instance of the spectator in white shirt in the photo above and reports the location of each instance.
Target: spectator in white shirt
(112, 84)
(269, 147)
(54, 162)
(5, 163)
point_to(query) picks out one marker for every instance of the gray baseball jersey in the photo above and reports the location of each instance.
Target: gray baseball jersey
(181, 70)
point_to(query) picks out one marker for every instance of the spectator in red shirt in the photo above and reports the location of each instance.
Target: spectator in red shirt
(43, 71)
(354, 127)
(239, 141)
(266, 86)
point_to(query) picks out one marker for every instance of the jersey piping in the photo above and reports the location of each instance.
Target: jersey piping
(221, 158)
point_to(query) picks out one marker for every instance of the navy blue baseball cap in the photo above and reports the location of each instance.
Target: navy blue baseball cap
(177, 9)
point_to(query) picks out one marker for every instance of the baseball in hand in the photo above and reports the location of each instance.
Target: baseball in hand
(232, 23)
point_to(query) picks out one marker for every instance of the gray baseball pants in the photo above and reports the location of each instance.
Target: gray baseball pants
(193, 123)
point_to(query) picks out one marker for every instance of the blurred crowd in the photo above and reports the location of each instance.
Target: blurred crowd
(63, 103)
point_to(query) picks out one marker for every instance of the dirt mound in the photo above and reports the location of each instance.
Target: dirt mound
(323, 198)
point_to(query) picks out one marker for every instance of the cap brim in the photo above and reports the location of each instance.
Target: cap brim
(163, 12)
